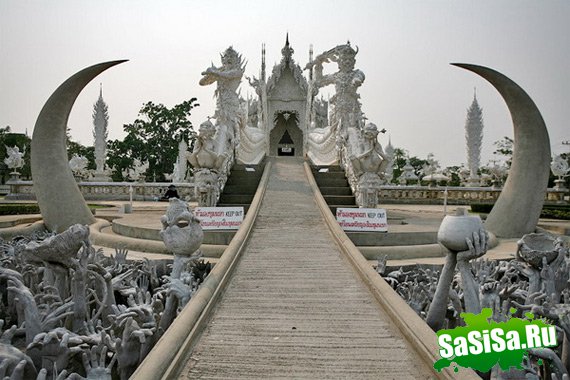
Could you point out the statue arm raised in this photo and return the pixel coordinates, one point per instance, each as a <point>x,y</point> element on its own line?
<point>324,80</point>
<point>221,73</point>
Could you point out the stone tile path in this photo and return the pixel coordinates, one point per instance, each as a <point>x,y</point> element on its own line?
<point>294,307</point>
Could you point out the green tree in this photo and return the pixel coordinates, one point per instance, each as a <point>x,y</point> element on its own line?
<point>504,149</point>
<point>399,163</point>
<point>400,157</point>
<point>153,137</point>
<point>74,147</point>
<point>453,173</point>
<point>418,165</point>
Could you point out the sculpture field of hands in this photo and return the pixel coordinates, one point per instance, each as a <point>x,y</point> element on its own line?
<point>72,313</point>
<point>535,281</point>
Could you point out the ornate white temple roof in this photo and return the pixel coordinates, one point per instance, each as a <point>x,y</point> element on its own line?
<point>287,62</point>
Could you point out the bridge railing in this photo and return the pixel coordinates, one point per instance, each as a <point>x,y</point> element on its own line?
<point>23,190</point>
<point>141,191</point>
<point>454,194</point>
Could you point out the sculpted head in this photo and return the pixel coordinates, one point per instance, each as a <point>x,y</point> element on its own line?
<point>231,58</point>
<point>206,130</point>
<point>346,57</point>
<point>370,131</point>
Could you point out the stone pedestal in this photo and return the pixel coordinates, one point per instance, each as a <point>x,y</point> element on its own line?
<point>473,182</point>
<point>14,177</point>
<point>560,185</point>
<point>100,177</point>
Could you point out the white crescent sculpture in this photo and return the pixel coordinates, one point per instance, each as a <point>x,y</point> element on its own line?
<point>518,208</point>
<point>58,195</point>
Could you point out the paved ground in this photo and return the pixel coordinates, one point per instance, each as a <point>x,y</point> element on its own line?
<point>295,308</point>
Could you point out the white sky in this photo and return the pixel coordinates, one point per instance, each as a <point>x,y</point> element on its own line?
<point>405,51</point>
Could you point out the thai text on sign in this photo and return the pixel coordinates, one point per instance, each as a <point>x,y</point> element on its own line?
<point>362,219</point>
<point>219,218</point>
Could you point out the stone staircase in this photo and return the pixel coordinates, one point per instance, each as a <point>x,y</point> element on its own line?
<point>334,187</point>
<point>241,186</point>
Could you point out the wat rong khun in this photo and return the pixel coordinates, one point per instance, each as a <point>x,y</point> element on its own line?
<point>287,254</point>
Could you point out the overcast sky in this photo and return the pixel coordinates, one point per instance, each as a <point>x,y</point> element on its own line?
<point>405,51</point>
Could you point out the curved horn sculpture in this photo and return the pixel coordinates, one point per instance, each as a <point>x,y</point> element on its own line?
<point>58,195</point>
<point>517,210</point>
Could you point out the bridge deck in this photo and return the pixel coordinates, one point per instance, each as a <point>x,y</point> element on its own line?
<point>294,307</point>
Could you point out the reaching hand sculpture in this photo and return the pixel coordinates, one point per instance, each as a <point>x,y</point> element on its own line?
<point>465,239</point>
<point>536,281</point>
<point>181,231</point>
<point>183,235</point>
<point>84,314</point>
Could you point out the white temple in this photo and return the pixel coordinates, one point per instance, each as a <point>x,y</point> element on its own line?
<point>288,119</point>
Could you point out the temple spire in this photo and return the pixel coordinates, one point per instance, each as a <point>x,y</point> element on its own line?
<point>474,136</point>
<point>287,50</point>
<point>100,132</point>
<point>263,62</point>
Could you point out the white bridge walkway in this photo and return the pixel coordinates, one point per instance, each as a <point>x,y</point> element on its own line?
<point>294,307</point>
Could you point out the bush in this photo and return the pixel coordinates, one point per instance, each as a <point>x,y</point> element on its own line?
<point>548,211</point>
<point>32,208</point>
<point>19,208</point>
<point>482,208</point>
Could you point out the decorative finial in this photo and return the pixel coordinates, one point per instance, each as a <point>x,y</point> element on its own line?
<point>287,50</point>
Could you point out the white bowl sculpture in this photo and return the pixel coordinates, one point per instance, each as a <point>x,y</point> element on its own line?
<point>454,229</point>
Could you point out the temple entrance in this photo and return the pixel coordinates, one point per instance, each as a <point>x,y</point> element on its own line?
<point>286,146</point>
<point>286,139</point>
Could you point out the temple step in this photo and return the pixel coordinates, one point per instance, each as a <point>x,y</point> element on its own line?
<point>348,200</point>
<point>332,182</point>
<point>344,190</point>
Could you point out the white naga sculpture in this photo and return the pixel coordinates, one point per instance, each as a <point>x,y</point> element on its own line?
<point>15,159</point>
<point>78,165</point>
